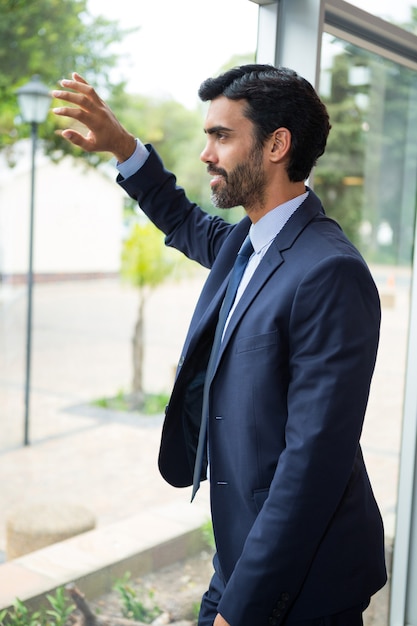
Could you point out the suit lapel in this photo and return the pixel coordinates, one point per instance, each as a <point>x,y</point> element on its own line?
<point>208,306</point>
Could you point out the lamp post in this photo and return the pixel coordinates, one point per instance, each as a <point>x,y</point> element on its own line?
<point>34,101</point>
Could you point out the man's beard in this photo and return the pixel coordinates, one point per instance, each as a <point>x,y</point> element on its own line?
<point>242,186</point>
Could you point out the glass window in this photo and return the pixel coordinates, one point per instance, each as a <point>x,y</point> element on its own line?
<point>367,181</point>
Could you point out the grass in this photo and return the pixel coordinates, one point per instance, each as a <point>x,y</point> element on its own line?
<point>153,404</point>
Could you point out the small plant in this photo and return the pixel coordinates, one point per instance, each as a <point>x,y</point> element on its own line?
<point>20,616</point>
<point>56,616</point>
<point>208,534</point>
<point>155,403</point>
<point>61,608</point>
<point>152,403</point>
<point>117,403</point>
<point>196,611</point>
<point>133,606</point>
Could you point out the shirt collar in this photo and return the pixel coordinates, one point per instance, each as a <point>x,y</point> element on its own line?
<point>263,232</point>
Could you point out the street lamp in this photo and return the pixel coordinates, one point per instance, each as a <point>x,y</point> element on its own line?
<point>34,102</point>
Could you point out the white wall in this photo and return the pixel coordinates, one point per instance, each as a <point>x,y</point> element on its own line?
<point>78,218</point>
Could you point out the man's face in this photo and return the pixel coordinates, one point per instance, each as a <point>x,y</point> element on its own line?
<point>232,157</point>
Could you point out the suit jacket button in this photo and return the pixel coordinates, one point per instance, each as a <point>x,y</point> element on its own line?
<point>181,361</point>
<point>285,596</point>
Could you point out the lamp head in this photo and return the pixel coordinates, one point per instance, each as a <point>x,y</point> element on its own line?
<point>34,101</point>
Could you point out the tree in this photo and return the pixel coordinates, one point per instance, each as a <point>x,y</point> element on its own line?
<point>339,175</point>
<point>146,263</point>
<point>50,38</point>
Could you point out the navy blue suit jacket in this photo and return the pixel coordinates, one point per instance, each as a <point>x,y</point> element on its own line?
<point>296,524</point>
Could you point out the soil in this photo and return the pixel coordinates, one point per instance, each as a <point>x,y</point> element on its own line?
<point>176,590</point>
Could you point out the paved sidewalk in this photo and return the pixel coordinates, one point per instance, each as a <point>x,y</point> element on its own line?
<point>108,466</point>
<point>104,460</point>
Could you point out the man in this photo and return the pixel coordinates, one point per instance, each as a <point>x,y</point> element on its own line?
<point>299,538</point>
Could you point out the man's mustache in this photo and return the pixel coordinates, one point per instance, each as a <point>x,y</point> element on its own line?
<point>216,170</point>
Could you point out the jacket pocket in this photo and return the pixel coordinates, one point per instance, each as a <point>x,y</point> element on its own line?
<point>257,342</point>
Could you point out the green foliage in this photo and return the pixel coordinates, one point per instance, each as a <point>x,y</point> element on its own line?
<point>51,38</point>
<point>133,606</point>
<point>174,131</point>
<point>20,616</point>
<point>196,610</point>
<point>360,178</point>
<point>61,608</point>
<point>58,615</point>
<point>153,404</point>
<point>208,534</point>
<point>146,261</point>
<point>344,156</point>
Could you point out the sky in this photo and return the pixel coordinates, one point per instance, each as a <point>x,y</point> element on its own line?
<point>180,42</point>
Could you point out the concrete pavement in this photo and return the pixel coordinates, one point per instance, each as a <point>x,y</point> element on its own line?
<point>104,460</point>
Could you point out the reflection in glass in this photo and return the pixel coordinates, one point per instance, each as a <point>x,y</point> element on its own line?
<point>367,176</point>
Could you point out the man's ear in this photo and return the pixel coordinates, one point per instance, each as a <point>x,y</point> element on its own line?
<point>280,144</point>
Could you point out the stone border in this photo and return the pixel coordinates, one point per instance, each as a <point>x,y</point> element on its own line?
<point>95,559</point>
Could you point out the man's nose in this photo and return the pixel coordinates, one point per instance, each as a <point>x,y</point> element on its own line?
<point>207,155</point>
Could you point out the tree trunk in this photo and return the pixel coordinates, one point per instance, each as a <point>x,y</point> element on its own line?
<point>138,354</point>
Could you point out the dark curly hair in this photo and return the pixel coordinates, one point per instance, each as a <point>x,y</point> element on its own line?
<point>277,97</point>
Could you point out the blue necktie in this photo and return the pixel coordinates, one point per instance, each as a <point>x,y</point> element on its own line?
<point>236,276</point>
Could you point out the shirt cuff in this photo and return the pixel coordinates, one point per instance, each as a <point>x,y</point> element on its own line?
<point>134,162</point>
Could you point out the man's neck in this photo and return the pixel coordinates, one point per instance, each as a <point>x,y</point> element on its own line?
<point>278,196</point>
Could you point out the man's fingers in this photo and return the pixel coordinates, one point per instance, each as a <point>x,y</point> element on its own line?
<point>77,139</point>
<point>86,101</point>
<point>77,82</point>
<point>82,93</point>
<point>105,133</point>
<point>77,77</point>
<point>67,112</point>
<point>75,113</point>
<point>72,136</point>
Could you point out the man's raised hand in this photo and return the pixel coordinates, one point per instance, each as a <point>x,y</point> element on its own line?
<point>105,133</point>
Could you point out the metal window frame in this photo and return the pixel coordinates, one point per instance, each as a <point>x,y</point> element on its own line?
<point>373,32</point>
<point>290,33</point>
